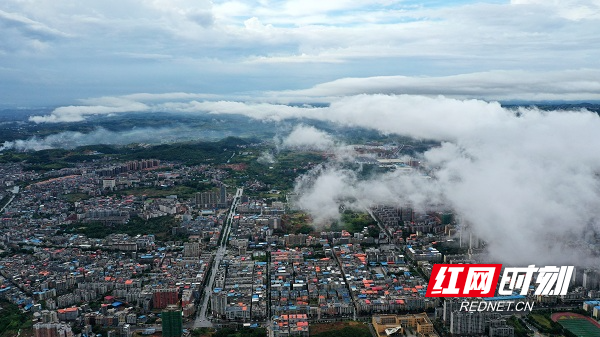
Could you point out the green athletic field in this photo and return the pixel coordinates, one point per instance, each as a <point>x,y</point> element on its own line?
<point>580,327</point>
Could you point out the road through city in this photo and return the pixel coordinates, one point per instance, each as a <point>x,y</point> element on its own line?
<point>202,319</point>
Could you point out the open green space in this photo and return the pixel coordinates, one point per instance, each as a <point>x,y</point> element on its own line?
<point>73,197</point>
<point>180,191</point>
<point>542,320</point>
<point>279,175</point>
<point>355,222</point>
<point>244,332</point>
<point>190,153</point>
<point>12,319</point>
<point>336,329</point>
<point>161,227</point>
<point>521,329</point>
<point>296,222</point>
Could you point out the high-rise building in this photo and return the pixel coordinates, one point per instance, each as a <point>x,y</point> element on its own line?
<point>212,199</point>
<point>165,297</point>
<point>49,316</point>
<point>395,325</point>
<point>52,330</point>
<point>218,302</point>
<point>471,323</point>
<point>109,183</point>
<point>295,239</point>
<point>577,277</point>
<point>407,214</point>
<point>191,249</point>
<point>591,279</point>
<point>450,305</point>
<point>172,321</point>
<point>223,194</point>
<point>499,328</point>
<point>446,218</point>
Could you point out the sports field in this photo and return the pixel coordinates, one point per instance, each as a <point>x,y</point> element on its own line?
<point>579,325</point>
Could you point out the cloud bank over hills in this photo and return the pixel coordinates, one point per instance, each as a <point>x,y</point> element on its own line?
<point>525,180</point>
<point>527,184</point>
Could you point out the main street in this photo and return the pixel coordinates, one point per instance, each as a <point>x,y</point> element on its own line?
<point>12,197</point>
<point>201,319</point>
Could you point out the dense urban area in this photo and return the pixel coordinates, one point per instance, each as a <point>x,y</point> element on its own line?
<point>300,168</point>
<point>153,247</point>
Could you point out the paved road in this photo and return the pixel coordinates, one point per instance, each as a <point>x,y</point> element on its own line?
<point>8,203</point>
<point>201,319</point>
<point>381,227</point>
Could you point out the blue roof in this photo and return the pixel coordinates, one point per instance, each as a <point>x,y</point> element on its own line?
<point>504,298</point>
<point>116,304</point>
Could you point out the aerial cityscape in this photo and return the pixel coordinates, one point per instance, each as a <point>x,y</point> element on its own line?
<point>287,168</point>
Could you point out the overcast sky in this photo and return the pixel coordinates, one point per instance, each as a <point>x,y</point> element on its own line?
<point>62,51</point>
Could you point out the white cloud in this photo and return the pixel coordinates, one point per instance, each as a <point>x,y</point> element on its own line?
<point>570,9</point>
<point>142,56</point>
<point>511,178</point>
<point>395,96</point>
<point>527,185</point>
<point>524,180</point>
<point>190,44</point>
<point>25,36</point>
<point>231,9</point>
<point>29,27</point>
<point>404,114</point>
<point>78,113</point>
<point>263,111</point>
<point>266,158</point>
<point>581,84</point>
<point>308,137</point>
<point>321,193</point>
<point>169,96</point>
<point>71,139</point>
<point>302,58</point>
